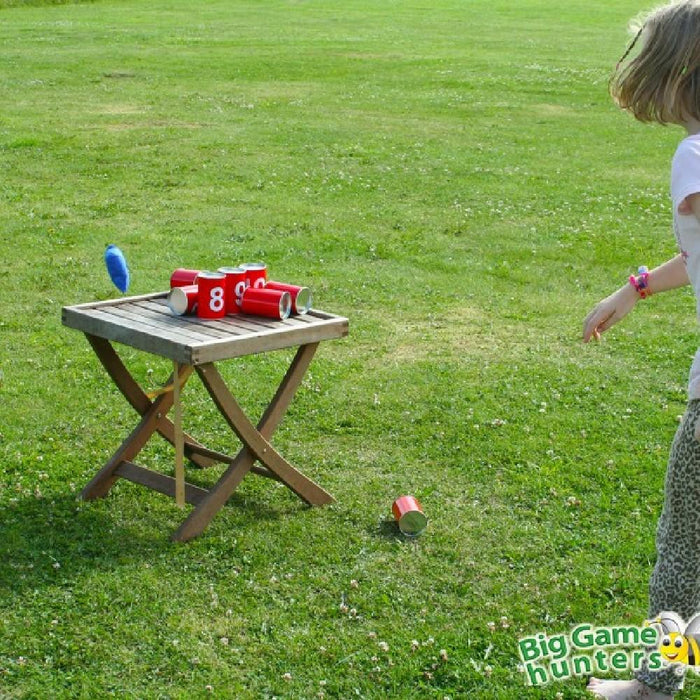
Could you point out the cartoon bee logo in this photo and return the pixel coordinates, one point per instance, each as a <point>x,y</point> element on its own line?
<point>680,643</point>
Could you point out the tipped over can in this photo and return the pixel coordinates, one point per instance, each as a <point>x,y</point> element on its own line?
<point>409,515</point>
<point>183,300</point>
<point>182,277</point>
<point>261,301</point>
<point>301,296</point>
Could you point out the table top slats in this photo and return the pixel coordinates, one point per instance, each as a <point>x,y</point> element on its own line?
<point>160,308</point>
<point>188,324</point>
<point>238,324</point>
<point>106,325</point>
<point>157,322</point>
<point>305,318</point>
<point>273,339</point>
<point>145,322</point>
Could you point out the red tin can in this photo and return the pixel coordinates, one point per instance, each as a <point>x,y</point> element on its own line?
<point>235,285</point>
<point>183,300</point>
<point>261,301</point>
<point>409,515</point>
<point>301,296</point>
<point>211,298</point>
<point>182,277</point>
<point>255,274</point>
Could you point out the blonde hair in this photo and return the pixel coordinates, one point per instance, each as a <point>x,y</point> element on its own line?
<point>662,83</point>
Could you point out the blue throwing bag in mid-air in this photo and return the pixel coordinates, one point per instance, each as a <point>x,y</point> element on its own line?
<point>117,267</point>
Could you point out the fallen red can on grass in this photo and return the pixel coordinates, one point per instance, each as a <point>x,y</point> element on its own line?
<point>409,515</point>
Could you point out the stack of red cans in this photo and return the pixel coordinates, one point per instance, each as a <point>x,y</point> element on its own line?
<point>234,290</point>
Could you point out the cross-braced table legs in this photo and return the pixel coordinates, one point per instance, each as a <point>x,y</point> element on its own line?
<point>256,445</point>
<point>138,399</point>
<point>103,481</point>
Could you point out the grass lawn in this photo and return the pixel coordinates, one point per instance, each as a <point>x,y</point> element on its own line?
<point>453,178</point>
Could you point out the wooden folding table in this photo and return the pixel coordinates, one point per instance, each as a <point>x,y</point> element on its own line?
<point>146,323</point>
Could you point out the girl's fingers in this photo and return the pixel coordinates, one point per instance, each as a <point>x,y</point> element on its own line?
<point>589,333</point>
<point>589,326</point>
<point>609,321</point>
<point>594,325</point>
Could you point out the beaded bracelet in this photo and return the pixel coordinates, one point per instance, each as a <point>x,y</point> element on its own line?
<point>641,282</point>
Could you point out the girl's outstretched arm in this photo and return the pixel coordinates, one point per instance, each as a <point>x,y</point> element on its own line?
<point>671,275</point>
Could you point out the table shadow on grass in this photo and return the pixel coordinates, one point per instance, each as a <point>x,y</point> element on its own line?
<point>45,541</point>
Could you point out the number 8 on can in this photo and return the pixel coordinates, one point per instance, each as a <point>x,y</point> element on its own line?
<point>211,302</point>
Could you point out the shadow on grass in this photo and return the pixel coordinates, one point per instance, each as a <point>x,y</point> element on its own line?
<point>47,540</point>
<point>387,530</point>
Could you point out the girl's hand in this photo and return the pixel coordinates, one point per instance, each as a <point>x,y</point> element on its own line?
<point>609,311</point>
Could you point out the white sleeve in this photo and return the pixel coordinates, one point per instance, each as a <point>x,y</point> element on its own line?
<point>685,171</point>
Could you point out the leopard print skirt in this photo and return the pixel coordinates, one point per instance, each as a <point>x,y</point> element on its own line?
<point>675,581</point>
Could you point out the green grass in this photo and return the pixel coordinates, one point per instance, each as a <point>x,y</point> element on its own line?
<point>453,178</point>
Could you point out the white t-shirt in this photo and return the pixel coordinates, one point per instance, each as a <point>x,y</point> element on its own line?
<point>685,180</point>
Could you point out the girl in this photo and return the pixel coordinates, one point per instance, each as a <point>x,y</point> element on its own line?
<point>662,84</point>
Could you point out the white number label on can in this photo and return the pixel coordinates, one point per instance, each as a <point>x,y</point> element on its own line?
<point>240,288</point>
<point>216,299</point>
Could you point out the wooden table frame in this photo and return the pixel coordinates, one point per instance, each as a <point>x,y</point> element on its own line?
<point>255,440</point>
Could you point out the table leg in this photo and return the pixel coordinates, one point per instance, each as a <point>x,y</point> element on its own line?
<point>202,514</point>
<point>253,439</point>
<point>103,481</point>
<point>179,439</point>
<point>137,398</point>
